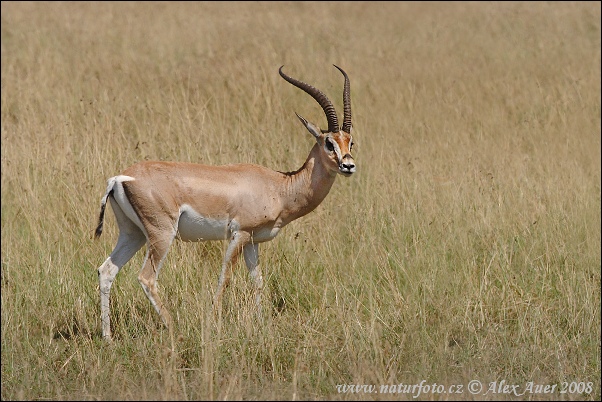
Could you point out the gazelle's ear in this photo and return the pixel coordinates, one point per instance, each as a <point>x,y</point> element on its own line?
<point>312,128</point>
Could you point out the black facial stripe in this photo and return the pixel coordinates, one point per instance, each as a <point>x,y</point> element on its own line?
<point>336,157</point>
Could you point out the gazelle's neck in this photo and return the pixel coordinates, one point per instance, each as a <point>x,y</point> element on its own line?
<point>306,188</point>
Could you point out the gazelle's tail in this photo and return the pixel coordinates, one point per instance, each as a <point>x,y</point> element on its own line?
<point>103,205</point>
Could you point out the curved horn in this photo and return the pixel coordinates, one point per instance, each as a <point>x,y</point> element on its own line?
<point>346,103</point>
<point>331,114</point>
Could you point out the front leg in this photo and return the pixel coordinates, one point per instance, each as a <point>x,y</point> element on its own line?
<point>251,254</point>
<point>238,240</point>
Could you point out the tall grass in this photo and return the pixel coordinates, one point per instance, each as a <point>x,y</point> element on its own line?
<point>466,247</point>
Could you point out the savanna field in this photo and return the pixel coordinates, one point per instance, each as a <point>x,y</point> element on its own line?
<point>464,250</point>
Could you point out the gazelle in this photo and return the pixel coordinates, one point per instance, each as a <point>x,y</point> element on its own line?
<point>156,202</point>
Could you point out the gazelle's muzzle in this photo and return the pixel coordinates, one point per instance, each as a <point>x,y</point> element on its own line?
<point>347,165</point>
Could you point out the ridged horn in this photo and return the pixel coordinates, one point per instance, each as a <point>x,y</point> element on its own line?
<point>346,103</point>
<point>331,114</point>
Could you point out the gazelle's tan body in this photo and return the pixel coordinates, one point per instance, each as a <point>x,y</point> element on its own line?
<point>156,202</point>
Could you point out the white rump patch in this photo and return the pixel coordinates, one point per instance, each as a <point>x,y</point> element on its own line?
<point>123,177</point>
<point>122,201</point>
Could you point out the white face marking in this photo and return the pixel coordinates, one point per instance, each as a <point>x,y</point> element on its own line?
<point>193,226</point>
<point>337,149</point>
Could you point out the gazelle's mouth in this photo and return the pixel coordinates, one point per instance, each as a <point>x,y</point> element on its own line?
<point>347,170</point>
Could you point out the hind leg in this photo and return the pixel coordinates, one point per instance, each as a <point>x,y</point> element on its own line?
<point>148,277</point>
<point>131,238</point>
<point>128,243</point>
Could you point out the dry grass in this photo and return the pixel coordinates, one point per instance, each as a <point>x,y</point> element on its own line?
<point>466,247</point>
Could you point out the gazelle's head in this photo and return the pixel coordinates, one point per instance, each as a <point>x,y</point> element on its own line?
<point>336,142</point>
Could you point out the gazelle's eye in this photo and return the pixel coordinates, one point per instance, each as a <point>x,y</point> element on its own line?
<point>329,146</point>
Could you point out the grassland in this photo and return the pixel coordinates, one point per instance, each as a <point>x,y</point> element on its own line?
<point>466,247</point>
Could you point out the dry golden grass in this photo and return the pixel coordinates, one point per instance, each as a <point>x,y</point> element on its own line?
<point>466,247</point>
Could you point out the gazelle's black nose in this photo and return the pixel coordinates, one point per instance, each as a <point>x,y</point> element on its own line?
<point>347,165</point>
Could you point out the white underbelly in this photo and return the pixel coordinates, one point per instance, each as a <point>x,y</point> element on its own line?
<point>266,234</point>
<point>193,226</point>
